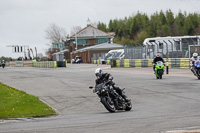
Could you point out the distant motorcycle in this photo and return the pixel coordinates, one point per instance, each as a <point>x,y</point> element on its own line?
<point>111,100</point>
<point>77,60</point>
<point>3,65</point>
<point>197,68</point>
<point>159,69</point>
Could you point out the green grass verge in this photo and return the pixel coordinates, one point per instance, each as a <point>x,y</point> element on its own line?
<point>18,104</point>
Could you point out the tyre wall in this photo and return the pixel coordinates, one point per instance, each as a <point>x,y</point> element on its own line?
<point>41,64</point>
<point>138,63</point>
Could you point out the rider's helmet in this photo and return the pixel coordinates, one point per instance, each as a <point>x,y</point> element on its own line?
<point>98,73</point>
<point>195,55</point>
<point>157,55</point>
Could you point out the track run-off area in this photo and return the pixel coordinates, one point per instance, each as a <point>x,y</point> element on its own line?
<point>167,105</point>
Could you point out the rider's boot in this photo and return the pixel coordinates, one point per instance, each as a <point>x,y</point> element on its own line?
<point>193,71</point>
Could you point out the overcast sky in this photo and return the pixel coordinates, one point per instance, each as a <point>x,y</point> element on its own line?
<point>23,22</point>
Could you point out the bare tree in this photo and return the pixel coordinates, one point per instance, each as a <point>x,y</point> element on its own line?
<point>94,24</point>
<point>75,29</point>
<point>55,33</point>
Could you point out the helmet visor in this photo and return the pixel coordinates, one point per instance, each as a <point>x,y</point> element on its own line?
<point>97,74</point>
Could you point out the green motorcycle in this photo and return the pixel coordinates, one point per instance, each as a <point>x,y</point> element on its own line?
<point>159,69</point>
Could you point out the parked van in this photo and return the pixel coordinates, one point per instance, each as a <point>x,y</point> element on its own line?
<point>114,55</point>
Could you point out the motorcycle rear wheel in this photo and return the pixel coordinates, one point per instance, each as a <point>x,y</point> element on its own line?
<point>110,107</point>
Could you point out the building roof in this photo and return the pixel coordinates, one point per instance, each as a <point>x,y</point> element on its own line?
<point>170,38</point>
<point>91,31</point>
<point>103,46</point>
<point>61,52</point>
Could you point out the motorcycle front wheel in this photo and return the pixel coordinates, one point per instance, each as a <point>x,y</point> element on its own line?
<point>108,105</point>
<point>198,74</point>
<point>160,73</point>
<point>128,106</point>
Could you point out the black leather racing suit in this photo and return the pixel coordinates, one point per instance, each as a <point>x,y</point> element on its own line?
<point>156,59</point>
<point>3,63</point>
<point>105,78</point>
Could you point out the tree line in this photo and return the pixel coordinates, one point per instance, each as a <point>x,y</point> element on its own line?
<point>134,29</point>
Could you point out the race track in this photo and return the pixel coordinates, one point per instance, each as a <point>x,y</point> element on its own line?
<point>159,106</point>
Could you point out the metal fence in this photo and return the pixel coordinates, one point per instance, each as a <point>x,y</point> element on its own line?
<point>134,51</point>
<point>167,47</point>
<point>97,57</point>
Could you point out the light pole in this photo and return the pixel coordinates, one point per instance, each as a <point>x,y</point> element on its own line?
<point>76,41</point>
<point>172,48</point>
<point>148,50</point>
<point>152,46</point>
<point>167,69</point>
<point>36,53</point>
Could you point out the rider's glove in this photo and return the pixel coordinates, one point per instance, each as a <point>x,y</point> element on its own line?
<point>110,78</point>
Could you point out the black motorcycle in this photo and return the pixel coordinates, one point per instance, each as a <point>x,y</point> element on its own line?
<point>111,100</point>
<point>3,65</point>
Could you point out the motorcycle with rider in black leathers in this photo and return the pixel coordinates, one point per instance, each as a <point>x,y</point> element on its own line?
<point>112,97</point>
<point>3,63</point>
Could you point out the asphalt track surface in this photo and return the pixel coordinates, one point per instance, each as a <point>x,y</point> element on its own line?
<point>159,106</point>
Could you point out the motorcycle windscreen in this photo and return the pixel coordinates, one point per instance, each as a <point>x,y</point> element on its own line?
<point>159,63</point>
<point>197,64</point>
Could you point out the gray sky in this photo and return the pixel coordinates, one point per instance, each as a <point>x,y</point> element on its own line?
<point>23,22</point>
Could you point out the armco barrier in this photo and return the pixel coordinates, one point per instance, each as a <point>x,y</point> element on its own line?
<point>172,63</point>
